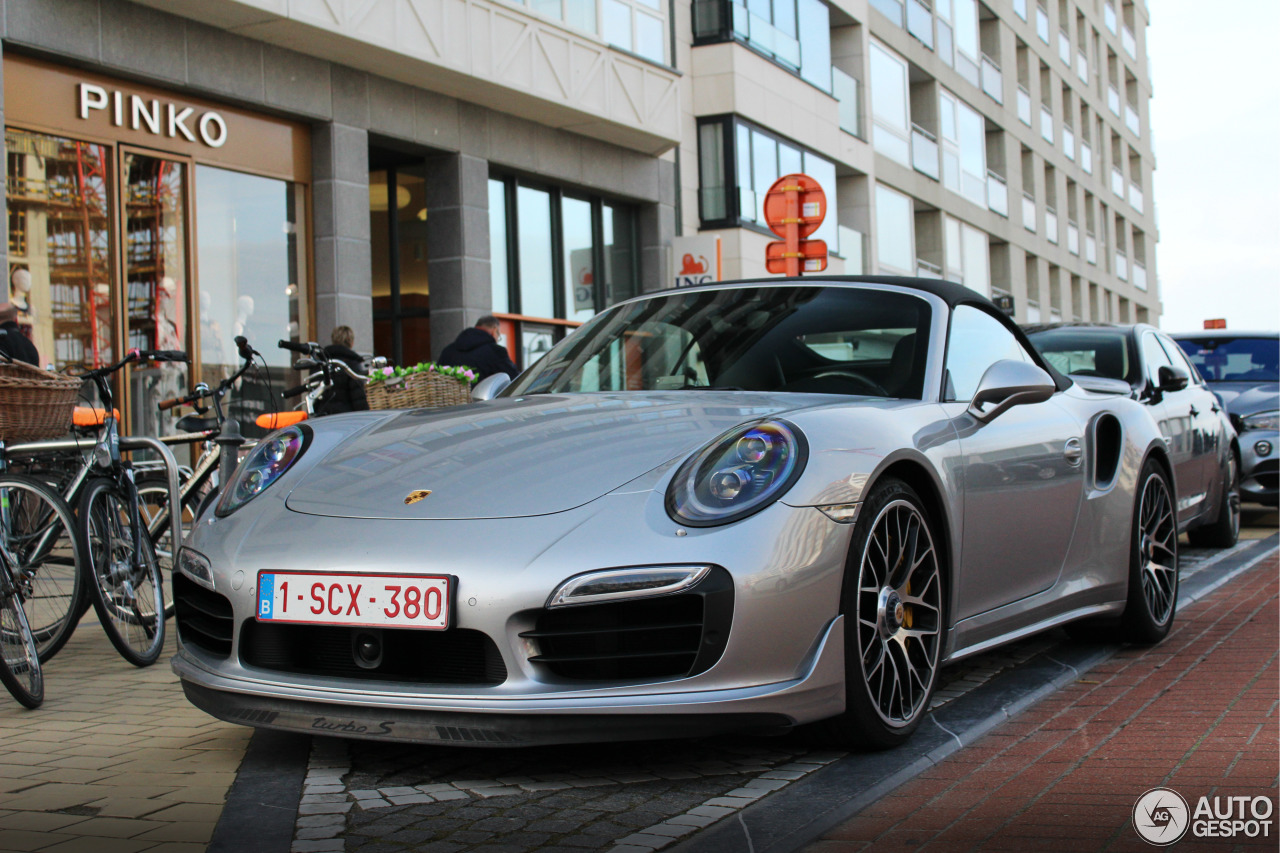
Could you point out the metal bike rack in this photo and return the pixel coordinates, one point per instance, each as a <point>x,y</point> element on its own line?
<point>132,442</point>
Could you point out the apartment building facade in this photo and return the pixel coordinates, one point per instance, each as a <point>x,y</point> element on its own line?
<point>182,171</point>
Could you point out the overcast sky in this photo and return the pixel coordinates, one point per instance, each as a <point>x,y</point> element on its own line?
<point>1215,115</point>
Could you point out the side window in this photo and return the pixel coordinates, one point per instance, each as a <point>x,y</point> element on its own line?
<point>1180,360</point>
<point>1153,358</point>
<point>978,341</point>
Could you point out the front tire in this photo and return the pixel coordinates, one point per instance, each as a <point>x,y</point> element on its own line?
<point>1153,560</point>
<point>129,598</point>
<point>892,603</point>
<point>19,660</point>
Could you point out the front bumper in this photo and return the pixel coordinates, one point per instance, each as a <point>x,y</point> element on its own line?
<point>523,720</point>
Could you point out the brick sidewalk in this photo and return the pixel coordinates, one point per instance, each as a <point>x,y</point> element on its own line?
<point>115,761</point>
<point>1197,714</point>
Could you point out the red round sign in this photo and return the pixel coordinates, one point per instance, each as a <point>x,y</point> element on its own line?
<point>795,199</point>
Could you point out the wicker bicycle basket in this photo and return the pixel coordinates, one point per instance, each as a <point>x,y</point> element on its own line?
<point>418,391</point>
<point>34,403</point>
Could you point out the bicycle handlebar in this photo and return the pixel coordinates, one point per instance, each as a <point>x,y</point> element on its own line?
<point>296,390</point>
<point>305,349</point>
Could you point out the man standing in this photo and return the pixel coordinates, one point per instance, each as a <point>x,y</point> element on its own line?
<point>13,343</point>
<point>478,348</point>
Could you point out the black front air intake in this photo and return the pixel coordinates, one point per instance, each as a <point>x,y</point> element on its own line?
<point>671,636</point>
<point>405,654</point>
<point>203,616</point>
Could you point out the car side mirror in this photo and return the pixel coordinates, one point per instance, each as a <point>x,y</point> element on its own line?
<point>1171,378</point>
<point>490,387</point>
<point>1009,383</point>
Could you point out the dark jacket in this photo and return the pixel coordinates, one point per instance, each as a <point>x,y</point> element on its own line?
<point>347,394</point>
<point>17,346</point>
<point>476,348</point>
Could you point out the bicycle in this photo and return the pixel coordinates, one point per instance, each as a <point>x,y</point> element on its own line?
<point>323,371</point>
<point>124,573</point>
<point>19,659</point>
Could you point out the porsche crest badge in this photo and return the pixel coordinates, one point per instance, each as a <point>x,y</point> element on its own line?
<point>415,496</point>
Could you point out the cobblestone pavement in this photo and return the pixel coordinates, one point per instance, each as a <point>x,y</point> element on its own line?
<point>115,761</point>
<point>1196,714</point>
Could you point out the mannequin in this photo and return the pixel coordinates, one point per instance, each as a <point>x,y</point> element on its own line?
<point>20,296</point>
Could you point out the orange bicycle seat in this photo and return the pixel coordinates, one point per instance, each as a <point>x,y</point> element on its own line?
<point>84,416</point>
<point>275,420</point>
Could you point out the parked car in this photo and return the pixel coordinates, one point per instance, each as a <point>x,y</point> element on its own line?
<point>1144,363</point>
<point>1241,368</point>
<point>739,507</point>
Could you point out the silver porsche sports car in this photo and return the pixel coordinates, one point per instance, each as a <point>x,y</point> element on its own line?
<point>743,507</point>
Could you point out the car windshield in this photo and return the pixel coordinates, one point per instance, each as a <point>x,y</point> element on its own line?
<point>835,340</point>
<point>1240,359</point>
<point>1088,352</point>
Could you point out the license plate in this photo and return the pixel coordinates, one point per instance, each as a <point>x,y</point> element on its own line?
<point>377,601</point>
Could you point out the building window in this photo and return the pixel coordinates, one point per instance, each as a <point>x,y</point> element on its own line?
<point>739,162</point>
<point>890,110</point>
<point>967,255</point>
<point>794,33</point>
<point>964,148</point>
<point>895,244</point>
<point>557,257</point>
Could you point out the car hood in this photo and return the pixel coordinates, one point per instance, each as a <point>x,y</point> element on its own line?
<point>1247,398</point>
<point>517,457</point>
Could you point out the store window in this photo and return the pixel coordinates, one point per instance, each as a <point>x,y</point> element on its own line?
<point>739,161</point>
<point>796,34</point>
<point>557,257</point>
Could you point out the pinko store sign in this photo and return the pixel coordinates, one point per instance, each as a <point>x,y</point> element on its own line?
<point>151,115</point>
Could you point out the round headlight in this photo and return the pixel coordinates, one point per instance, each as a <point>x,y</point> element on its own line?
<point>737,474</point>
<point>262,467</point>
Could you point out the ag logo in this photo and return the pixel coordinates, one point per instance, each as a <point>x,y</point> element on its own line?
<point>1161,816</point>
<point>415,496</point>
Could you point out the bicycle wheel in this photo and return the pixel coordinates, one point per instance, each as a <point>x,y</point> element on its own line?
<point>126,587</point>
<point>41,536</point>
<point>19,661</point>
<point>153,497</point>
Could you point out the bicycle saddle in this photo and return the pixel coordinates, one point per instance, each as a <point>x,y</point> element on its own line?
<point>195,423</point>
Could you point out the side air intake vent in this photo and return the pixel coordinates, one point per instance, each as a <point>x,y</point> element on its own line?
<point>1108,444</point>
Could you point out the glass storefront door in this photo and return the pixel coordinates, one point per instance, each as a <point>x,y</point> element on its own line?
<point>156,275</point>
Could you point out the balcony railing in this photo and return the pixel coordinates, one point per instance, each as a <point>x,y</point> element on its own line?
<point>924,269</point>
<point>1086,157</point>
<point>1020,8</point>
<point>891,9</point>
<point>1135,197</point>
<point>1064,47</point>
<point>764,35</point>
<point>1139,276</point>
<point>1082,67</point>
<point>997,194</point>
<point>1073,238</point>
<point>1024,106</point>
<point>992,79</point>
<point>1029,212</point>
<point>1068,142</point>
<point>1042,24</point>
<point>1051,224</point>
<point>1129,42</point>
<point>920,22</point>
<point>1117,181</point>
<point>1046,124</point>
<point>924,152</point>
<point>1109,17</point>
<point>1113,99</point>
<point>1090,248</point>
<point>1131,120</point>
<point>1122,267</point>
<point>846,90</point>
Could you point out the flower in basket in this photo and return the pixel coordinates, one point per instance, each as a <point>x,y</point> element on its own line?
<point>398,374</point>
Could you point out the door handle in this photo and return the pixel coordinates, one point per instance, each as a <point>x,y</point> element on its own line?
<point>1072,451</point>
